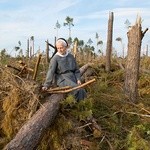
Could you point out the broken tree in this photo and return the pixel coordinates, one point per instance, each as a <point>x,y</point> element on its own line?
<point>135,36</point>
<point>109,41</point>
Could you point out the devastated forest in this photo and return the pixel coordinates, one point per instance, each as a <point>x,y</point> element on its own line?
<point>115,115</point>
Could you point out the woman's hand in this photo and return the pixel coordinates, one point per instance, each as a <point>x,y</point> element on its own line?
<point>44,88</point>
<point>79,82</point>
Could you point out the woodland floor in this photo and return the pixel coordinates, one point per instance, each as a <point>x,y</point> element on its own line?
<point>123,124</point>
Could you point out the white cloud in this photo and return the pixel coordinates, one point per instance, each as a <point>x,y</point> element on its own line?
<point>39,20</point>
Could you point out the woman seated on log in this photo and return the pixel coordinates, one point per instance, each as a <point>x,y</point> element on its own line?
<point>64,68</point>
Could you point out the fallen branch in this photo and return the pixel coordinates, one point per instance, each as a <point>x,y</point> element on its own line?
<point>72,89</point>
<point>23,66</point>
<point>111,147</point>
<point>146,110</point>
<point>20,69</point>
<point>84,125</point>
<point>26,68</point>
<point>9,66</point>
<point>142,115</point>
<point>59,88</point>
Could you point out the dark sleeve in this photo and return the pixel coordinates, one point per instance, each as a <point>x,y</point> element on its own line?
<point>51,72</point>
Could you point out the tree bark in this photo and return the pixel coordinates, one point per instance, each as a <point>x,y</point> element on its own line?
<point>32,131</point>
<point>36,66</point>
<point>47,52</point>
<point>27,52</point>
<point>135,36</point>
<point>30,134</point>
<point>84,68</point>
<point>75,49</point>
<point>109,41</point>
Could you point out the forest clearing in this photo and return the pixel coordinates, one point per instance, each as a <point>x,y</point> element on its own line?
<point>114,116</point>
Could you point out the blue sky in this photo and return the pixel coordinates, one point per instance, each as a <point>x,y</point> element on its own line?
<point>21,19</point>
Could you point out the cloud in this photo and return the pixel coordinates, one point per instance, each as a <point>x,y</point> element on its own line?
<point>30,18</point>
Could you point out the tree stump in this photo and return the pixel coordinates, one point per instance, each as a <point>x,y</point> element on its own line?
<point>135,36</point>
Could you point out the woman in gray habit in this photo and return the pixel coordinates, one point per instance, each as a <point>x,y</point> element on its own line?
<point>64,68</point>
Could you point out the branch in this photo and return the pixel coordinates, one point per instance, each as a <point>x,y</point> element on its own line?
<point>142,115</point>
<point>84,125</point>
<point>13,67</point>
<point>59,88</point>
<point>51,45</point>
<point>72,89</point>
<point>143,33</point>
<point>36,67</point>
<point>23,66</point>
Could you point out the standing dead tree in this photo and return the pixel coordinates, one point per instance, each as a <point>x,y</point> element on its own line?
<point>75,49</point>
<point>36,66</point>
<point>109,41</point>
<point>47,52</point>
<point>27,52</point>
<point>135,36</point>
<point>32,131</point>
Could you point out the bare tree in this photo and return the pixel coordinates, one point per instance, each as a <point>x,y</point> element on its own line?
<point>32,45</point>
<point>127,24</point>
<point>19,49</point>
<point>101,49</point>
<point>146,50</point>
<point>69,22</point>
<point>47,52</point>
<point>27,52</point>
<point>109,41</point>
<point>119,39</point>
<point>97,38</point>
<point>57,27</point>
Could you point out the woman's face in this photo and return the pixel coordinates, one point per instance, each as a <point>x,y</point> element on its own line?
<point>61,48</point>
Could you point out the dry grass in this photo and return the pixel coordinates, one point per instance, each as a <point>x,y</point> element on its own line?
<point>19,100</point>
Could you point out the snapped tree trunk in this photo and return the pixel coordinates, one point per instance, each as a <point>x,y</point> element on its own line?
<point>135,36</point>
<point>146,50</point>
<point>47,52</point>
<point>36,66</point>
<point>75,49</point>
<point>109,41</point>
<point>32,131</point>
<point>27,52</point>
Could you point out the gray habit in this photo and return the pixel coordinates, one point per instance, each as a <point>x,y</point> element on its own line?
<point>66,73</point>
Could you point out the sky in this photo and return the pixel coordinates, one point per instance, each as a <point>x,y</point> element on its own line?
<point>21,19</point>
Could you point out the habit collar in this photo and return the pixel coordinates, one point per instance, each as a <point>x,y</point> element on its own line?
<point>61,54</point>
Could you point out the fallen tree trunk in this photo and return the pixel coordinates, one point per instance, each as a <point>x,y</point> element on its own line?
<point>30,134</point>
<point>84,68</point>
<point>32,131</point>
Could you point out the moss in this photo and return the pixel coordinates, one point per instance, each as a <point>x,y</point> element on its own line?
<point>14,117</point>
<point>106,102</point>
<point>135,138</point>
